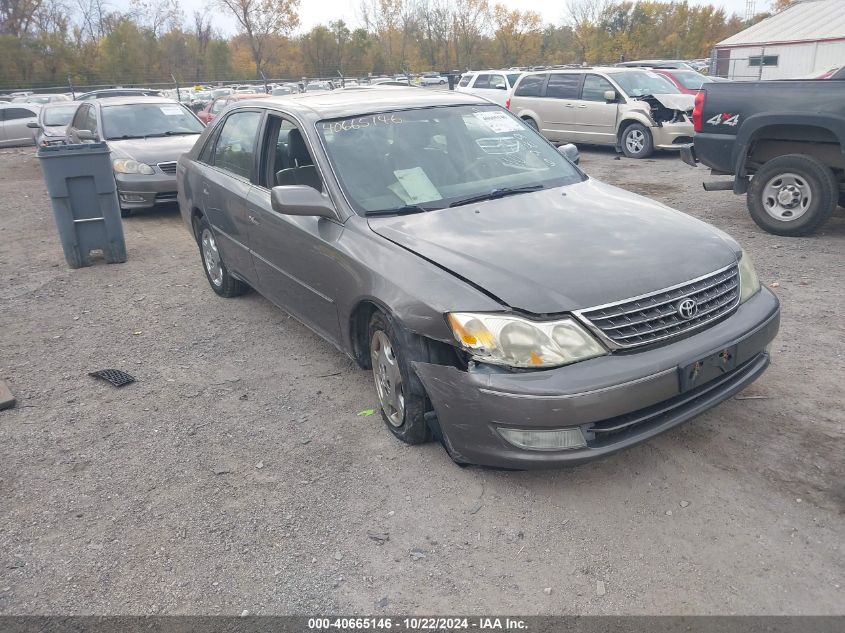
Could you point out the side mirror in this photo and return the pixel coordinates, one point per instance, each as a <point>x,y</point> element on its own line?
<point>300,200</point>
<point>33,125</point>
<point>570,152</point>
<point>610,96</point>
<point>86,135</point>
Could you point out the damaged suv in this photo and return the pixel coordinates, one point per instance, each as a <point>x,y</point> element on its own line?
<point>509,306</point>
<point>634,109</point>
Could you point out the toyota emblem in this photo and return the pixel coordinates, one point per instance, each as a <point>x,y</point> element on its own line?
<point>687,308</point>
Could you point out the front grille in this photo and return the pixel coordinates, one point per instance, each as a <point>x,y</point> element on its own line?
<point>168,168</point>
<point>654,317</point>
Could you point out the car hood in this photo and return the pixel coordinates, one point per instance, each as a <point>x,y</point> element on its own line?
<point>153,150</point>
<point>566,248</point>
<point>682,102</point>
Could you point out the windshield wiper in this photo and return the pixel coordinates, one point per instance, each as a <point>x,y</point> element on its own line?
<point>160,134</point>
<point>405,210</point>
<point>496,193</point>
<point>124,137</point>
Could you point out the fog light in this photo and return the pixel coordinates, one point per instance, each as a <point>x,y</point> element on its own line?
<point>554,440</point>
<point>131,197</point>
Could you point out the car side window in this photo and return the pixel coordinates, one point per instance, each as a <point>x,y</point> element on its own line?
<point>564,86</point>
<point>513,78</point>
<point>19,113</point>
<point>498,82</point>
<point>595,87</point>
<point>207,154</point>
<point>286,156</point>
<point>79,118</point>
<point>482,81</point>
<point>235,147</point>
<point>530,86</point>
<point>464,82</point>
<point>91,120</point>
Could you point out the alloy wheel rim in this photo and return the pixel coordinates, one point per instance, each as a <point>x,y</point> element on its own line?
<point>635,141</point>
<point>787,197</point>
<point>211,258</point>
<point>388,378</point>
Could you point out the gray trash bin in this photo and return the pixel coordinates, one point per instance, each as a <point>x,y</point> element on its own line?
<point>81,185</point>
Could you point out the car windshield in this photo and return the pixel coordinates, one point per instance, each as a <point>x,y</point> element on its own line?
<point>60,115</point>
<point>138,120</point>
<point>438,157</point>
<point>691,80</point>
<point>638,83</point>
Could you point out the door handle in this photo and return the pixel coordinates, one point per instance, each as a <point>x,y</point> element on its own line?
<point>569,105</point>
<point>582,106</point>
<point>205,191</point>
<point>254,220</point>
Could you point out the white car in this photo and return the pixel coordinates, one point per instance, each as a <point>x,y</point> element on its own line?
<point>495,85</point>
<point>432,79</point>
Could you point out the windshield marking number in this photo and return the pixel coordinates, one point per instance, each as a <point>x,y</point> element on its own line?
<point>361,122</point>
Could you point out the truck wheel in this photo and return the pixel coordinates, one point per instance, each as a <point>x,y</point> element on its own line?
<point>792,195</point>
<point>637,141</point>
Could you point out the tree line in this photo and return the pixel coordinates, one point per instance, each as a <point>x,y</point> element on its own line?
<point>45,42</point>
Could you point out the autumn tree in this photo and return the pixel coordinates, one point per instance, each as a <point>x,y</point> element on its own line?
<point>517,33</point>
<point>260,21</point>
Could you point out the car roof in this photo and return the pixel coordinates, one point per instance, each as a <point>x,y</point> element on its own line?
<point>586,69</point>
<point>340,103</point>
<point>131,100</point>
<point>244,95</point>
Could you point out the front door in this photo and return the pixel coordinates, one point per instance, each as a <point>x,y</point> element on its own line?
<point>226,186</point>
<point>295,256</point>
<point>596,117</point>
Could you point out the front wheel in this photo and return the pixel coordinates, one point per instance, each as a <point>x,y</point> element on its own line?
<point>792,195</point>
<point>401,396</point>
<point>531,123</point>
<point>637,141</point>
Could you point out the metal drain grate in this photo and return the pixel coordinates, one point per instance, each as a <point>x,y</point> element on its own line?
<point>114,376</point>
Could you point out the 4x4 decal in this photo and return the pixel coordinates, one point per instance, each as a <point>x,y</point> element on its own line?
<point>725,118</point>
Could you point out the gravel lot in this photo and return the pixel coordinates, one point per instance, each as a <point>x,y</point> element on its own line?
<point>235,474</point>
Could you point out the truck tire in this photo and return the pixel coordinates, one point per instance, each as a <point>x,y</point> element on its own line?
<point>637,142</point>
<point>792,195</point>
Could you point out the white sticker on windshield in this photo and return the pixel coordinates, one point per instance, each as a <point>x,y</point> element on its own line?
<point>498,121</point>
<point>416,185</point>
<point>171,110</point>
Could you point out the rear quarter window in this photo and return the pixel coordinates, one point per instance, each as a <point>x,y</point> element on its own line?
<point>464,82</point>
<point>530,86</point>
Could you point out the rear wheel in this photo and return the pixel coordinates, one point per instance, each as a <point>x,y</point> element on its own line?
<point>792,195</point>
<point>401,396</point>
<point>637,141</point>
<point>531,123</point>
<point>219,278</point>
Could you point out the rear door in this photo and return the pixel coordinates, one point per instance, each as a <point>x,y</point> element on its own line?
<point>595,116</point>
<point>15,130</point>
<point>296,257</point>
<point>559,106</point>
<point>225,187</point>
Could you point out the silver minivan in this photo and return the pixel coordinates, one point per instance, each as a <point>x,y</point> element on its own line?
<point>633,109</point>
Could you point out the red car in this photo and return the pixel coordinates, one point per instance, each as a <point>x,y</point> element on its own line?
<point>216,106</point>
<point>687,81</point>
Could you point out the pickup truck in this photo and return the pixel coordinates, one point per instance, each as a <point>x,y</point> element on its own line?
<point>782,141</point>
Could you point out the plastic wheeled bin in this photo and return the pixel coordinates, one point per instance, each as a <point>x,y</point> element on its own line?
<point>81,185</point>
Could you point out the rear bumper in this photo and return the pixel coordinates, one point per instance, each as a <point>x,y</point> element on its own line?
<point>136,191</point>
<point>616,401</point>
<point>688,155</point>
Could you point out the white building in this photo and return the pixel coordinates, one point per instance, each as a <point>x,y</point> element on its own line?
<point>804,40</point>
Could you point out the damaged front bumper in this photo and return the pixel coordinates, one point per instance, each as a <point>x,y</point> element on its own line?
<point>672,135</point>
<point>615,401</point>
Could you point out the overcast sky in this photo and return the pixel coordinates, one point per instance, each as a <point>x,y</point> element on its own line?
<point>313,12</point>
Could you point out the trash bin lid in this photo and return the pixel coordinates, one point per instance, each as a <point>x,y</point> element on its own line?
<point>52,151</point>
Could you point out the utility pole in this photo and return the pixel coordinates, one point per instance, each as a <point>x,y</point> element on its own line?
<point>176,83</point>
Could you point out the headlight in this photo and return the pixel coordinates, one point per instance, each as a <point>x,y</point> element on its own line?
<point>503,339</point>
<point>749,284</point>
<point>129,166</point>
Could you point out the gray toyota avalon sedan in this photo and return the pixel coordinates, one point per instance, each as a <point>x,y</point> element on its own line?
<point>509,306</point>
